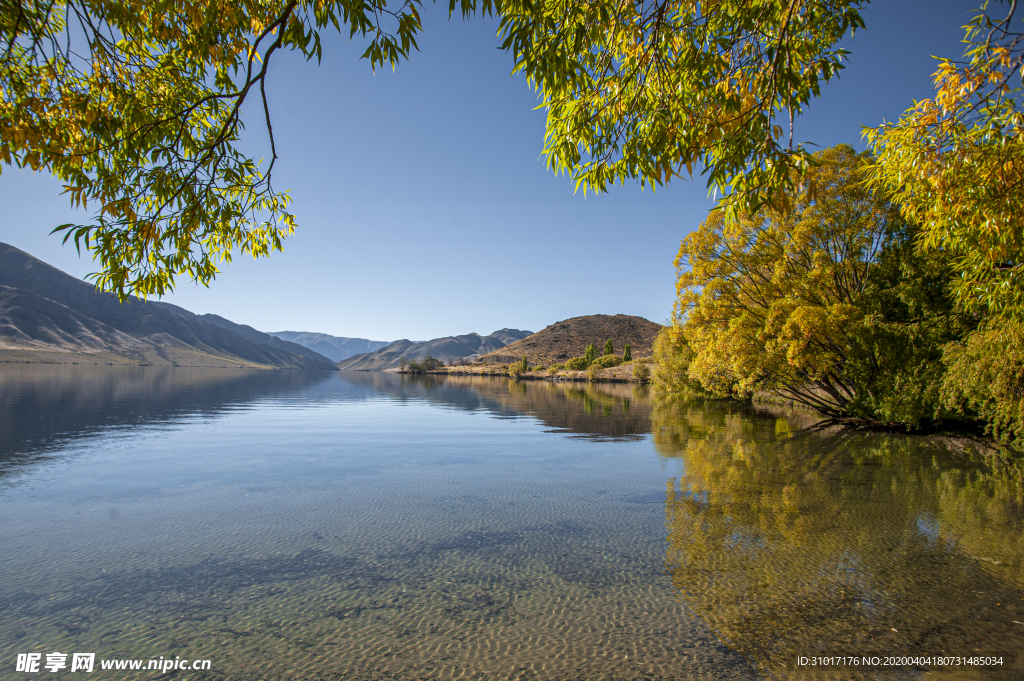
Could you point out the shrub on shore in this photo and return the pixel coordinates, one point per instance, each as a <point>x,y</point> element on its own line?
<point>578,363</point>
<point>642,371</point>
<point>607,361</point>
<point>428,363</point>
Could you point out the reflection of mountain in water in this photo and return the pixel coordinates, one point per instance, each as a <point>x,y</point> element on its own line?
<point>840,543</point>
<point>43,405</point>
<point>608,410</point>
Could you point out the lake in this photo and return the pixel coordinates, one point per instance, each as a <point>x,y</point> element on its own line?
<point>291,525</point>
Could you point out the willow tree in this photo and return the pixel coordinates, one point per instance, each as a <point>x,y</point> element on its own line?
<point>650,89</point>
<point>137,105</point>
<point>955,164</point>
<point>827,303</point>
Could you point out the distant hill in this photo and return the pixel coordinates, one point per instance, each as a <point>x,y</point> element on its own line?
<point>448,348</point>
<point>265,338</point>
<point>46,315</point>
<point>570,337</point>
<point>336,348</point>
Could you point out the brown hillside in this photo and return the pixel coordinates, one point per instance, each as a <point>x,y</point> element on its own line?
<point>570,337</point>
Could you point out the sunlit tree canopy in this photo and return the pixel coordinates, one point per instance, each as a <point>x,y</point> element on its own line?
<point>955,163</point>
<point>651,90</point>
<point>827,303</point>
<point>136,106</point>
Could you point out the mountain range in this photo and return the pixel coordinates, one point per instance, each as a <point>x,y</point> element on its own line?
<point>449,348</point>
<point>336,348</point>
<point>48,316</point>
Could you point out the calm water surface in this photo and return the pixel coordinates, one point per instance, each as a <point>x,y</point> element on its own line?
<point>289,525</point>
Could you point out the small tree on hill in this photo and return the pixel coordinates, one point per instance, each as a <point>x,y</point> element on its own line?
<point>608,349</point>
<point>627,353</point>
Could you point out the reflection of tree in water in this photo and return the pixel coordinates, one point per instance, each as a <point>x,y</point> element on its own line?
<point>615,410</point>
<point>792,542</point>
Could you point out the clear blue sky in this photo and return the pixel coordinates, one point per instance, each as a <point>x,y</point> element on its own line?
<point>424,205</point>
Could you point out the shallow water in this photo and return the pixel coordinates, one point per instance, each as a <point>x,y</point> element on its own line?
<point>289,525</point>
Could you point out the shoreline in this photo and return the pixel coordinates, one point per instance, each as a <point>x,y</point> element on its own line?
<point>965,432</point>
<point>622,373</point>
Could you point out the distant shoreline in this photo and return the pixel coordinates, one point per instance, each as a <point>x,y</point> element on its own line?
<point>618,374</point>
